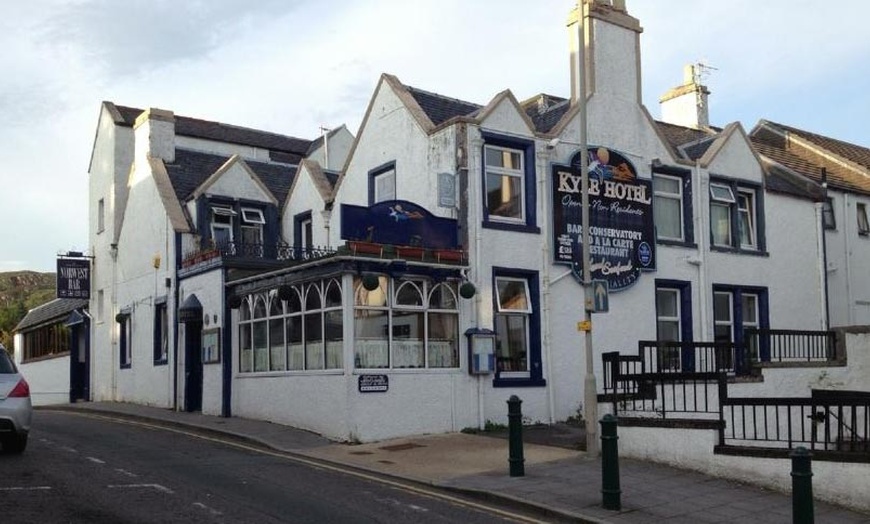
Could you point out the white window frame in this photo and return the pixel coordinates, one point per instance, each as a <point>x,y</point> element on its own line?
<point>252,220</point>
<point>526,313</point>
<point>225,223</point>
<point>721,193</point>
<point>519,173</point>
<point>425,289</point>
<point>678,319</point>
<point>678,197</point>
<point>730,309</point>
<point>385,178</point>
<point>306,231</point>
<point>749,211</point>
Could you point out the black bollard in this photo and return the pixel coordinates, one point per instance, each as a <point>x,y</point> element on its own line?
<point>802,486</point>
<point>515,437</point>
<point>610,491</point>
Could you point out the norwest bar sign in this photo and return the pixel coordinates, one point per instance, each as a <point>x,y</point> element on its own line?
<point>73,278</point>
<point>622,230</point>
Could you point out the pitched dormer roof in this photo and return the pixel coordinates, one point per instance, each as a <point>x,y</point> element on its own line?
<point>192,168</point>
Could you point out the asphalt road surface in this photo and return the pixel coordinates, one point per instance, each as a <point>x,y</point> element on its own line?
<point>86,469</point>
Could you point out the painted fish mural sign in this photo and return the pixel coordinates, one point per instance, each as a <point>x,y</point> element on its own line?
<point>622,230</point>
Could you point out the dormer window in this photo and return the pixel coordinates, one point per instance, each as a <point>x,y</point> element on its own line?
<point>222,225</point>
<point>252,226</point>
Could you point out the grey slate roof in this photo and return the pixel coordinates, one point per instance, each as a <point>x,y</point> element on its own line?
<point>546,111</point>
<point>194,127</point>
<point>192,168</point>
<point>55,311</point>
<point>440,108</point>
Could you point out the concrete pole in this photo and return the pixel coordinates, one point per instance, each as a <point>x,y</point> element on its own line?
<point>590,387</point>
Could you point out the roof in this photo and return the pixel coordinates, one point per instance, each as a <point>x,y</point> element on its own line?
<point>677,135</point>
<point>191,168</point>
<point>55,311</point>
<point>440,108</point>
<point>805,153</point>
<point>546,111</point>
<point>196,128</point>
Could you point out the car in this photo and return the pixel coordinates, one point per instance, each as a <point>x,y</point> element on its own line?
<point>16,409</point>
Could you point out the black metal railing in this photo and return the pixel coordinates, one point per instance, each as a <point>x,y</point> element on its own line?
<point>786,345</point>
<point>840,425</point>
<point>691,357</point>
<point>246,250</point>
<point>664,392</point>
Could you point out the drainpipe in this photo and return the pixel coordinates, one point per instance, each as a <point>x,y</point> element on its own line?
<point>543,171</point>
<point>824,238</point>
<point>820,259</point>
<point>476,145</point>
<point>703,234</point>
<point>848,258</point>
<point>113,253</point>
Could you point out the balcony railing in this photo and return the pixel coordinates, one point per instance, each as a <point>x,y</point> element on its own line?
<point>251,251</point>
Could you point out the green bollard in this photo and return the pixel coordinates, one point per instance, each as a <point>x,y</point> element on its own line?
<point>610,491</point>
<point>515,437</point>
<point>801,486</point>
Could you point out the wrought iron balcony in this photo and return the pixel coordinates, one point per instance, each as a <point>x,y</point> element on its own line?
<point>242,251</point>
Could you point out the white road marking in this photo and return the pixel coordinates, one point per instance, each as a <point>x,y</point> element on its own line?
<point>158,487</point>
<point>67,448</point>
<point>210,510</point>
<point>321,466</point>
<point>26,488</point>
<point>95,460</point>
<point>125,472</point>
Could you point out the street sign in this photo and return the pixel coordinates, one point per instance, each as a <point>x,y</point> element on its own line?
<point>600,297</point>
<point>597,297</point>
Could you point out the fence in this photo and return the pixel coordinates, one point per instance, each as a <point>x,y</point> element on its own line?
<point>785,345</point>
<point>833,427</point>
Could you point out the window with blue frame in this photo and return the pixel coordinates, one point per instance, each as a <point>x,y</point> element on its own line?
<point>736,216</point>
<point>737,308</point>
<point>382,183</point>
<point>303,233</point>
<point>161,331</point>
<point>508,180</point>
<point>517,326</point>
<point>673,319</point>
<point>243,228</point>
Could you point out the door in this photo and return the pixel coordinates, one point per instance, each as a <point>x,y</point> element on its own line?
<point>193,366</point>
<point>79,362</point>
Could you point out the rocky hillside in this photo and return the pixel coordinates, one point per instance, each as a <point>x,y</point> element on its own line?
<point>21,291</point>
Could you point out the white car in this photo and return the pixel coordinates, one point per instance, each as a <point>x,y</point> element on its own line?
<point>15,407</point>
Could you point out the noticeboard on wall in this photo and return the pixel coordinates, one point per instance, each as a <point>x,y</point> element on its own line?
<point>211,346</point>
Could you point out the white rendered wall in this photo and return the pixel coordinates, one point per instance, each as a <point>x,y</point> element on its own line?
<point>306,197</point>
<point>48,379</point>
<point>840,483</point>
<point>209,290</point>
<point>338,147</point>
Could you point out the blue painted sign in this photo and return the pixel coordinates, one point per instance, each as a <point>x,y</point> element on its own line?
<point>73,278</point>
<point>399,223</point>
<point>622,229</point>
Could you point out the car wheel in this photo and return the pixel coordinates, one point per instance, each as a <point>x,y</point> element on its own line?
<point>15,444</point>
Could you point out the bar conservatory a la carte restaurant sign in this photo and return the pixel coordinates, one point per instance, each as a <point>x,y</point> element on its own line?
<point>622,230</point>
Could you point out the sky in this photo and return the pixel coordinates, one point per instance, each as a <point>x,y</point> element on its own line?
<point>292,66</point>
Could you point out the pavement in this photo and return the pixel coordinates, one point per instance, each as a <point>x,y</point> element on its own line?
<point>560,483</point>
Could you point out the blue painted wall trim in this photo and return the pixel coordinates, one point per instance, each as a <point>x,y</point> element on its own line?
<point>530,185</point>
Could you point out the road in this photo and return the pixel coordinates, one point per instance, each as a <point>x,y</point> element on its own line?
<point>86,469</point>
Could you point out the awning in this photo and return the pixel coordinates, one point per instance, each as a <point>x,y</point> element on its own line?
<point>190,310</point>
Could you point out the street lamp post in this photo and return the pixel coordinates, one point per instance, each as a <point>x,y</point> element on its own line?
<point>590,387</point>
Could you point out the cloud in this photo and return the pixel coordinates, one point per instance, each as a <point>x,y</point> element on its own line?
<point>134,35</point>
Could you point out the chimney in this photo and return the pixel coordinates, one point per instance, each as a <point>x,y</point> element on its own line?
<point>611,47</point>
<point>686,105</point>
<point>154,133</point>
